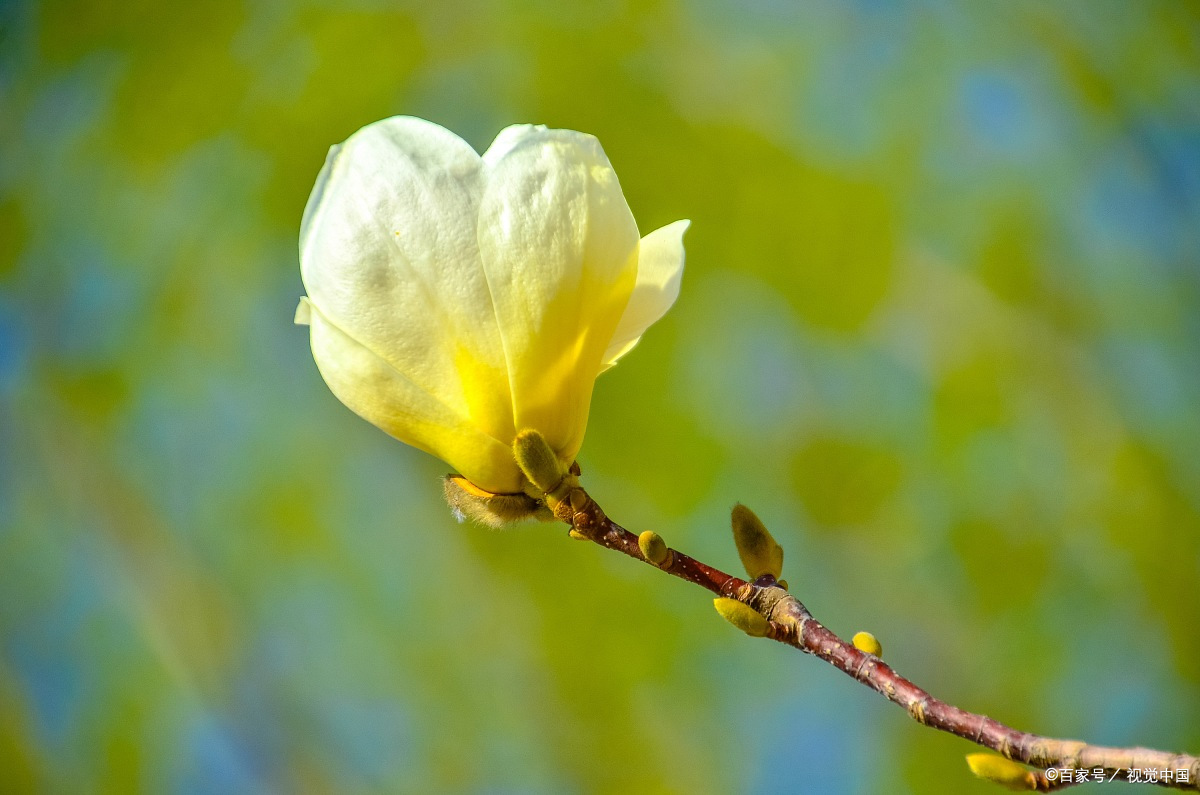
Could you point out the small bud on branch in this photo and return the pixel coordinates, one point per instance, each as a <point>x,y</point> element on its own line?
<point>867,643</point>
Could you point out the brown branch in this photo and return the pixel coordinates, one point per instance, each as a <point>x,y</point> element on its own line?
<point>790,622</point>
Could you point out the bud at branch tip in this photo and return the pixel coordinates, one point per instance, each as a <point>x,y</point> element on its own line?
<point>757,548</point>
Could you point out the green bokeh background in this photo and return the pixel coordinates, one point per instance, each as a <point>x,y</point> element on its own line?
<point>940,327</point>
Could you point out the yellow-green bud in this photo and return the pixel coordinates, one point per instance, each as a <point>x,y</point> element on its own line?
<point>654,549</point>
<point>1004,772</point>
<point>537,460</point>
<point>742,616</point>
<point>468,501</point>
<point>865,641</point>
<point>782,584</point>
<point>757,548</point>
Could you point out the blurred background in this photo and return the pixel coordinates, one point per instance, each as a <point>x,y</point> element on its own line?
<point>940,327</point>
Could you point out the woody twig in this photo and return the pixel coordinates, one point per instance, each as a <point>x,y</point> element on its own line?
<point>762,607</point>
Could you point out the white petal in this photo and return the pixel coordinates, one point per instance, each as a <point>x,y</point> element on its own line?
<point>303,316</point>
<point>377,392</point>
<point>388,253</point>
<point>559,245</point>
<point>660,268</point>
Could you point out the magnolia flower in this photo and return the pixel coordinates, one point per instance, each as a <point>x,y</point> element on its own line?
<point>455,300</point>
